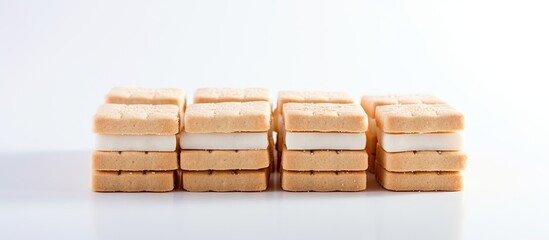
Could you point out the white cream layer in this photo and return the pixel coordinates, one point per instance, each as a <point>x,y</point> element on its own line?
<point>420,141</point>
<point>224,141</point>
<point>156,143</point>
<point>325,141</point>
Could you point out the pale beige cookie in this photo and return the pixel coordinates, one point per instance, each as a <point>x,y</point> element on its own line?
<point>136,119</point>
<point>312,97</point>
<point>226,181</point>
<point>419,118</point>
<point>200,160</point>
<point>371,102</point>
<point>141,181</point>
<point>228,117</point>
<point>154,96</point>
<point>324,117</point>
<point>421,160</point>
<point>216,95</point>
<point>312,181</point>
<point>419,181</point>
<point>324,160</point>
<point>134,161</point>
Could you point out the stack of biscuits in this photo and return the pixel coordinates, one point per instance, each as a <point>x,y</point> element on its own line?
<point>371,102</point>
<point>136,142</point>
<point>302,97</point>
<point>323,147</point>
<point>225,146</point>
<point>420,147</point>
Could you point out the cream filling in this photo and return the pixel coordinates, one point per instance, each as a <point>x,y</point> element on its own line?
<point>156,143</point>
<point>224,141</point>
<point>420,141</point>
<point>326,141</point>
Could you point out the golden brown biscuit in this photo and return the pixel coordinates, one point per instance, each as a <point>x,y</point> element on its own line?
<point>199,160</point>
<point>154,96</point>
<point>324,117</point>
<point>136,119</point>
<point>421,160</point>
<point>226,181</point>
<point>228,117</point>
<point>419,181</point>
<point>141,181</point>
<point>371,102</point>
<point>419,118</point>
<point>324,160</point>
<point>343,181</point>
<point>313,97</point>
<point>216,95</point>
<point>134,161</point>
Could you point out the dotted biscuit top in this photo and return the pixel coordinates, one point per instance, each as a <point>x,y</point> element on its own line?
<point>228,117</point>
<point>313,97</point>
<point>419,118</point>
<point>215,95</point>
<point>130,95</point>
<point>370,102</point>
<point>136,119</point>
<point>324,117</point>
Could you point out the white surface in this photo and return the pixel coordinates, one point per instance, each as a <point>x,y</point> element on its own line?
<point>486,57</point>
<point>330,141</point>
<point>224,141</point>
<point>159,143</point>
<point>420,142</point>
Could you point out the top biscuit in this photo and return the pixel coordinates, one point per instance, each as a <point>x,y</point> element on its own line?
<point>155,96</point>
<point>228,117</point>
<point>313,97</point>
<point>216,95</point>
<point>419,118</point>
<point>324,117</point>
<point>370,102</point>
<point>136,119</point>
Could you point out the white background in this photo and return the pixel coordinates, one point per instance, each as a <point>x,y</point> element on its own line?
<point>488,58</point>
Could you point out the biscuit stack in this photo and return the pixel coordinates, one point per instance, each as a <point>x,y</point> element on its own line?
<point>302,97</point>
<point>136,140</point>
<point>420,147</point>
<point>324,147</point>
<point>371,102</point>
<point>225,146</point>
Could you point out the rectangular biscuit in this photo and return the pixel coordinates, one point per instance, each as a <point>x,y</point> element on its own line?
<point>134,161</point>
<point>324,117</point>
<point>312,97</point>
<point>228,117</point>
<point>312,181</point>
<point>324,160</point>
<point>419,118</point>
<point>200,160</point>
<point>121,119</point>
<point>371,102</point>
<point>141,181</point>
<point>216,95</point>
<point>226,181</point>
<point>419,181</point>
<point>421,160</point>
<point>154,96</point>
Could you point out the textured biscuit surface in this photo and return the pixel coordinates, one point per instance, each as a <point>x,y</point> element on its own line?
<point>200,160</point>
<point>419,181</point>
<point>136,119</point>
<point>296,181</point>
<point>324,160</point>
<point>324,117</point>
<point>228,117</point>
<point>134,161</point>
<point>216,95</point>
<point>142,181</point>
<point>155,96</point>
<point>421,160</point>
<point>419,118</point>
<point>371,102</point>
<point>226,181</point>
<point>312,97</point>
